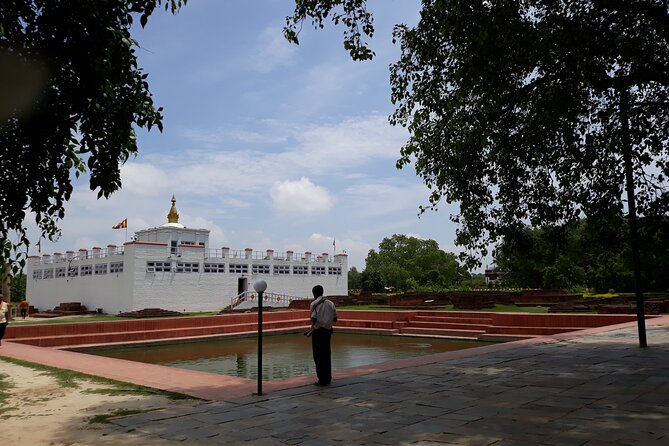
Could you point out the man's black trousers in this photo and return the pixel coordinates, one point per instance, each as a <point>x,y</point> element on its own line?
<point>320,345</point>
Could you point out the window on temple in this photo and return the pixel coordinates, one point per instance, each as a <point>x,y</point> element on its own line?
<point>157,267</point>
<point>238,269</point>
<point>188,267</point>
<point>214,267</point>
<point>281,269</point>
<point>260,269</point>
<point>300,269</point>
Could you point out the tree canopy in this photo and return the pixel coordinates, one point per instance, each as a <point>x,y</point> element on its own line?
<point>586,254</point>
<point>404,263</point>
<point>529,112</point>
<point>72,92</point>
<point>536,112</point>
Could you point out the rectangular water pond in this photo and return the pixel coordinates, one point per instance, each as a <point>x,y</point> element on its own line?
<point>284,356</point>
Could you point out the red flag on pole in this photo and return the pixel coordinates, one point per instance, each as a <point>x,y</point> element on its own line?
<point>121,225</point>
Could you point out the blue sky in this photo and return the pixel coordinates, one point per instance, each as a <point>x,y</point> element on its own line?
<point>267,144</point>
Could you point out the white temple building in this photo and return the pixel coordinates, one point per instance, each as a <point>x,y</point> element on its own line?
<point>173,267</point>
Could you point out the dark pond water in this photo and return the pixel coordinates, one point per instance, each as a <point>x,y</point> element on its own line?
<point>284,356</point>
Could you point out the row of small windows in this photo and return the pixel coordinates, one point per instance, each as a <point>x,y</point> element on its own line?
<point>74,271</point>
<point>174,248</point>
<point>185,267</point>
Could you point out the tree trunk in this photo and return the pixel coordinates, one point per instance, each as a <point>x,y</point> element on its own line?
<point>631,212</point>
<point>6,290</point>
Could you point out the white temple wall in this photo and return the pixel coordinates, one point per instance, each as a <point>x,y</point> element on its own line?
<point>213,292</point>
<point>158,274</point>
<point>110,291</point>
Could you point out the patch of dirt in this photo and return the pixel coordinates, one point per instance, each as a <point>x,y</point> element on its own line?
<point>39,411</point>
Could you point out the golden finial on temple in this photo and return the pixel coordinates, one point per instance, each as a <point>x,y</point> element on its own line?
<point>173,216</point>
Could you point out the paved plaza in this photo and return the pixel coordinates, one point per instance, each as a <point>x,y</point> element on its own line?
<point>599,389</point>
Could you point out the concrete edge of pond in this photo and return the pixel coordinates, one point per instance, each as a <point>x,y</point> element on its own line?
<point>216,387</point>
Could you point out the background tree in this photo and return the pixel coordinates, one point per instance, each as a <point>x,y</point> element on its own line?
<point>354,281</point>
<point>534,112</point>
<point>405,262</point>
<point>586,253</point>
<point>71,93</point>
<point>18,287</point>
<point>5,285</point>
<point>371,281</point>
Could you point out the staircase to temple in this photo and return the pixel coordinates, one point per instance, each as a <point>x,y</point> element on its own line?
<point>440,324</point>
<point>495,326</point>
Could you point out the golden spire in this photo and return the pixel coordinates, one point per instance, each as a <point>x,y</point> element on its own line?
<point>173,216</point>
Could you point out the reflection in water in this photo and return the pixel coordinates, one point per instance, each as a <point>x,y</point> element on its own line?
<point>284,356</point>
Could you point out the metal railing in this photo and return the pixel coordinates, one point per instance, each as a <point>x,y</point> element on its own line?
<point>264,255</point>
<point>273,299</point>
<point>82,255</point>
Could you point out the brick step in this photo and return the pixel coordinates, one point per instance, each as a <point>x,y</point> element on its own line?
<point>439,332</point>
<point>530,331</point>
<point>503,337</point>
<point>147,335</point>
<point>363,323</point>
<point>460,314</point>
<point>454,319</point>
<point>448,325</point>
<point>360,330</point>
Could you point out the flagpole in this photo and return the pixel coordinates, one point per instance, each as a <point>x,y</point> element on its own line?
<point>126,229</point>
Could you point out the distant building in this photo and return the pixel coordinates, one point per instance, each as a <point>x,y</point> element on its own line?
<point>172,267</point>
<point>492,274</point>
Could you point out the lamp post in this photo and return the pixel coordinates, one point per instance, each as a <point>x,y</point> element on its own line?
<point>260,286</point>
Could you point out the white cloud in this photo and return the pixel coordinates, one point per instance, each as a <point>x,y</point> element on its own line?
<point>145,179</point>
<point>330,149</point>
<point>336,80</point>
<point>272,51</point>
<point>351,142</point>
<point>257,138</point>
<point>382,197</point>
<point>356,248</point>
<point>322,243</point>
<point>87,243</point>
<point>213,138</point>
<point>300,197</point>
<point>414,235</point>
<point>217,236</point>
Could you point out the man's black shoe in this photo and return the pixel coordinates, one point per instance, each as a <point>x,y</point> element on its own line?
<point>320,384</point>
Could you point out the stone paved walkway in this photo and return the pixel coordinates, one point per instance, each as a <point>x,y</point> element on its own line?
<point>595,390</point>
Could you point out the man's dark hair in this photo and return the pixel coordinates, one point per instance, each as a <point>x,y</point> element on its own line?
<point>317,290</point>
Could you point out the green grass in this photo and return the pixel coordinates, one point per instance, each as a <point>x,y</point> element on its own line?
<point>512,309</point>
<point>378,307</point>
<point>116,413</point>
<point>96,318</point>
<point>5,387</point>
<point>587,296</point>
<point>497,308</point>
<point>70,378</point>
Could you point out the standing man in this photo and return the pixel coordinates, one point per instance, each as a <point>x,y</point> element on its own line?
<point>323,315</point>
<point>4,317</point>
<point>24,306</point>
